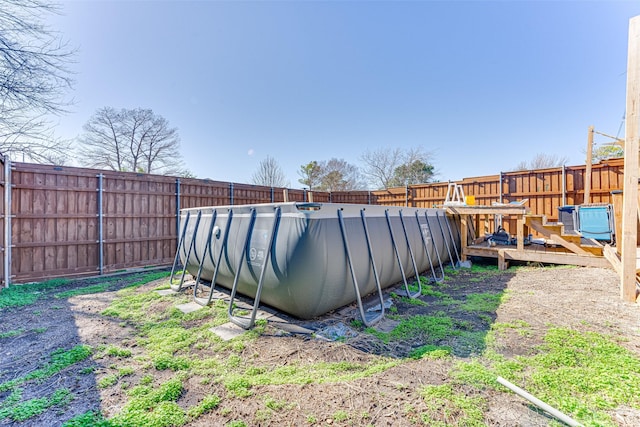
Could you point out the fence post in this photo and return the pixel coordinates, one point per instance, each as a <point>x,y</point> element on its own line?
<point>7,222</point>
<point>177,210</point>
<point>272,197</point>
<point>369,197</point>
<point>231,193</point>
<point>564,185</point>
<point>100,229</point>
<point>498,218</point>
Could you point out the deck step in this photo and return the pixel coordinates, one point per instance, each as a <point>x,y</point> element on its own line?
<point>554,231</point>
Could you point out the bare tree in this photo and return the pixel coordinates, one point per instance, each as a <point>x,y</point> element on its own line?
<point>131,140</point>
<point>338,175</point>
<point>542,161</point>
<point>380,165</point>
<point>392,167</point>
<point>269,174</point>
<point>33,80</point>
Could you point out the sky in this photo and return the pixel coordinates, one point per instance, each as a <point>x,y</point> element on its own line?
<point>481,85</point>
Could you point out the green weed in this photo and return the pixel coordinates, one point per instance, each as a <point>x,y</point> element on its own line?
<point>114,351</point>
<point>208,404</point>
<point>340,415</point>
<point>483,302</point>
<point>93,289</point>
<point>449,408</point>
<point>274,404</point>
<point>22,411</point>
<point>88,419</point>
<point>21,295</point>
<point>430,352</point>
<point>433,328</point>
<point>413,301</point>
<point>520,326</point>
<point>11,334</point>
<point>154,407</point>
<point>60,359</point>
<point>108,381</point>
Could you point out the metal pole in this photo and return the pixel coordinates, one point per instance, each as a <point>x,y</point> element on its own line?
<point>564,185</point>
<point>272,197</point>
<point>177,210</point>
<point>100,230</point>
<point>539,403</point>
<point>7,222</point>
<point>231,193</point>
<point>497,220</point>
<point>406,195</point>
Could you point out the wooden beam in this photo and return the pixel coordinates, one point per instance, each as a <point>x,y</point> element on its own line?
<point>587,177</point>
<point>631,162</point>
<point>612,256</point>
<point>539,256</point>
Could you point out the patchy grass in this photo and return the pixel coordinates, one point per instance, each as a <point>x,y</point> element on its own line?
<point>153,407</point>
<point>11,334</point>
<point>433,328</point>
<point>21,411</point>
<point>21,295</point>
<point>455,408</point>
<point>583,374</point>
<point>60,359</point>
<point>483,302</point>
<point>109,283</point>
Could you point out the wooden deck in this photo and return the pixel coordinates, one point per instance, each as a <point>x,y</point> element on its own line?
<point>533,253</point>
<point>561,247</point>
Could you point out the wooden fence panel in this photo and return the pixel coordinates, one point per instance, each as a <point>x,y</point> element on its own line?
<point>139,220</point>
<point>355,197</point>
<point>485,190</point>
<point>606,177</point>
<point>321,197</point>
<point>4,212</point>
<point>55,221</point>
<point>428,196</point>
<point>391,197</point>
<point>198,192</point>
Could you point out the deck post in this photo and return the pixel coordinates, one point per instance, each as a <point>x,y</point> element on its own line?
<point>463,236</point>
<point>587,175</point>
<point>631,161</point>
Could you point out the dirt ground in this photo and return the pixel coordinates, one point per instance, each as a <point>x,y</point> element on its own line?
<point>582,298</point>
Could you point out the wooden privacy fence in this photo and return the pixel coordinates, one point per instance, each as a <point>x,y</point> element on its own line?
<point>66,221</point>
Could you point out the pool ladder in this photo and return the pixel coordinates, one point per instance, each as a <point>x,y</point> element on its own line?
<point>215,232</point>
<point>444,230</point>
